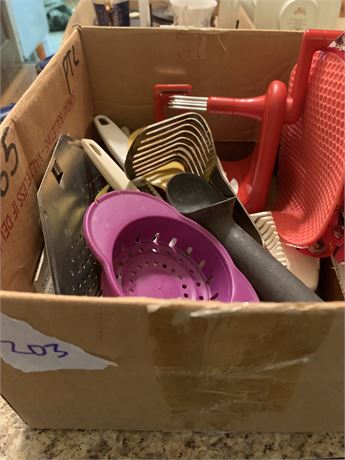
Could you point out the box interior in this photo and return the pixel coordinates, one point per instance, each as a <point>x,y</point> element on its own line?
<point>114,74</point>
<point>242,63</point>
<point>102,72</point>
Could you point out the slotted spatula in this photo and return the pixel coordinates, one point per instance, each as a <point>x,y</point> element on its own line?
<point>186,139</point>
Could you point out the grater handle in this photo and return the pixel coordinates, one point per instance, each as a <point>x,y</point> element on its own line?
<point>111,172</point>
<point>113,137</point>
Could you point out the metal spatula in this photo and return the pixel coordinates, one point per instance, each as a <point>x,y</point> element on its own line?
<point>187,140</point>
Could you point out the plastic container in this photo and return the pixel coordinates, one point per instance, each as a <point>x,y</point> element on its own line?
<point>296,14</point>
<point>195,13</point>
<point>227,14</point>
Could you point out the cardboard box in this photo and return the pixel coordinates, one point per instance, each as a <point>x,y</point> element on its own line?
<point>135,363</point>
<point>84,14</point>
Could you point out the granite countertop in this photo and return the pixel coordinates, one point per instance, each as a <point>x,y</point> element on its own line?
<point>18,442</point>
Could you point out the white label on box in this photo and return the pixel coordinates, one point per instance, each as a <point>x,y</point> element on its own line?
<point>28,350</point>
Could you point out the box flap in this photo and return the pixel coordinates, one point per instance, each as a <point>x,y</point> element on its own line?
<point>59,100</point>
<point>257,367</point>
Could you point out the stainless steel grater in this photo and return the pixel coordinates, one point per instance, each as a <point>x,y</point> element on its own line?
<point>69,185</point>
<point>43,281</point>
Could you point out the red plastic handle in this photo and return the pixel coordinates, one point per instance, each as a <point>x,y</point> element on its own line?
<point>246,107</point>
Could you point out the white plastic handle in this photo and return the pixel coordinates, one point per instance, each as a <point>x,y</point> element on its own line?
<point>114,138</point>
<point>111,172</point>
<point>126,131</point>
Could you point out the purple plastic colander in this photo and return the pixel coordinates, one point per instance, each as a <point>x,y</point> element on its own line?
<point>147,248</point>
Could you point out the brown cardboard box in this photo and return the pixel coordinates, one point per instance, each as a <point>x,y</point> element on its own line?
<point>133,363</point>
<point>84,14</point>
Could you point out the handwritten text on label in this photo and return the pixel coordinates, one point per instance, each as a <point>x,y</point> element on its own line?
<point>26,349</point>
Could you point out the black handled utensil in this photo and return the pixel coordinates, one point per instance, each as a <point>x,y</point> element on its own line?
<point>195,198</point>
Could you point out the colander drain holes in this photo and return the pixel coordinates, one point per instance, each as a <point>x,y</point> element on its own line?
<point>141,273</point>
<point>155,263</point>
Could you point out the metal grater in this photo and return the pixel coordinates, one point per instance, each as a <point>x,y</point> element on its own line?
<point>69,185</point>
<point>43,281</point>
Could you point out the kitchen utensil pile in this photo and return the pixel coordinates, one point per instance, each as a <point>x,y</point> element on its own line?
<point>159,217</point>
